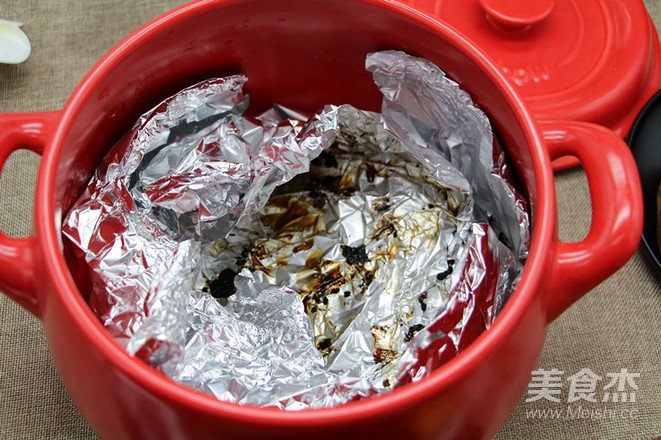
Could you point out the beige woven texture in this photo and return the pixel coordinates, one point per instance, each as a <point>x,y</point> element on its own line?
<point>617,325</point>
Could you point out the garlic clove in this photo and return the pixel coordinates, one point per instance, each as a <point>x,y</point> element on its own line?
<point>14,44</point>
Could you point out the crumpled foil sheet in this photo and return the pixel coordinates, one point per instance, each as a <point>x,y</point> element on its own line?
<point>303,262</point>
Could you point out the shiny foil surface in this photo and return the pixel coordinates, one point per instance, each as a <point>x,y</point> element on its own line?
<point>303,261</point>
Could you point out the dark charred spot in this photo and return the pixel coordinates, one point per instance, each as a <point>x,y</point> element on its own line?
<point>370,172</point>
<point>412,331</point>
<point>306,245</point>
<point>446,273</point>
<point>383,352</point>
<point>382,204</point>
<point>354,255</point>
<point>347,293</point>
<point>422,300</point>
<point>430,206</point>
<point>330,284</point>
<point>325,284</point>
<point>223,286</point>
<point>243,258</point>
<point>368,277</point>
<point>443,275</point>
<point>386,383</point>
<point>384,355</point>
<point>324,345</point>
<point>308,302</point>
<point>387,229</point>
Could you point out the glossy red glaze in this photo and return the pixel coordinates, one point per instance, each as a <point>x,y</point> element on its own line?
<point>607,236</point>
<point>574,60</point>
<point>517,14</point>
<point>17,275</point>
<point>304,54</point>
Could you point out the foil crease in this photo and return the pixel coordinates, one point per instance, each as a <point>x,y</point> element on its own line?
<point>435,117</point>
<point>303,262</point>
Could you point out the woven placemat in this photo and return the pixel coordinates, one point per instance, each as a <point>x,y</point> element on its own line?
<point>615,327</point>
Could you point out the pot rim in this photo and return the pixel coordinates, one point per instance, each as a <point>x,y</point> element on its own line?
<point>48,235</point>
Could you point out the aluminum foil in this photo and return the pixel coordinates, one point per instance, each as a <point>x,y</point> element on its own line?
<point>303,262</point>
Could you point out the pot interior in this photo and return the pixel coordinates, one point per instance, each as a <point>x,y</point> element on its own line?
<point>303,54</point>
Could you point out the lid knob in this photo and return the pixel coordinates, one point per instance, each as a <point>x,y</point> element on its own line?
<point>517,14</point>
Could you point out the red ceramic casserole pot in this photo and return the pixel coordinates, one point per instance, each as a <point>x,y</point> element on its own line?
<point>304,54</point>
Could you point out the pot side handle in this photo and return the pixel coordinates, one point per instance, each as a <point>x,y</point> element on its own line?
<point>617,211</point>
<point>17,273</point>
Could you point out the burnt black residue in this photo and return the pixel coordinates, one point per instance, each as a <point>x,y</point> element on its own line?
<point>384,355</point>
<point>446,273</point>
<point>243,258</point>
<point>319,199</point>
<point>223,286</point>
<point>422,299</point>
<point>326,284</point>
<point>381,204</point>
<point>330,283</point>
<point>370,172</point>
<point>386,229</point>
<point>368,277</point>
<point>354,255</point>
<point>383,351</point>
<point>412,331</point>
<point>324,345</point>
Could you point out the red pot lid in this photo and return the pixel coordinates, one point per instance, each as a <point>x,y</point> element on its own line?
<point>583,60</point>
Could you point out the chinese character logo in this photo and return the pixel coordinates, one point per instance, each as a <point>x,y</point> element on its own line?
<point>583,386</point>
<point>545,384</point>
<point>622,379</point>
